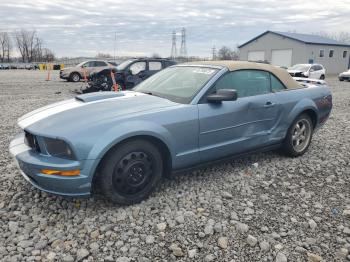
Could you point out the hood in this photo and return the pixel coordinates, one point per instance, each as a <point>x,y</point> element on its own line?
<point>346,73</point>
<point>295,71</point>
<point>88,110</point>
<point>68,68</point>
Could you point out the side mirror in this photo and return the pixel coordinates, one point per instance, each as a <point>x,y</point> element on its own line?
<point>223,95</point>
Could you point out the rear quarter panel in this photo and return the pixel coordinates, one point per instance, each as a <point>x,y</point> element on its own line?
<point>295,101</point>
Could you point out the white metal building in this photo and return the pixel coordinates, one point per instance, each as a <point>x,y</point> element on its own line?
<point>287,49</point>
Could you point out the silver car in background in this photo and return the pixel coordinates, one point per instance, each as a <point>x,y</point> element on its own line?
<point>84,69</point>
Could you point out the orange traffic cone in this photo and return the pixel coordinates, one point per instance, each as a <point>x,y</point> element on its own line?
<point>115,85</point>
<point>85,77</point>
<point>48,68</point>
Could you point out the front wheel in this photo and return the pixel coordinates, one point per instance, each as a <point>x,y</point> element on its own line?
<point>322,77</point>
<point>75,77</point>
<point>299,136</point>
<point>130,172</point>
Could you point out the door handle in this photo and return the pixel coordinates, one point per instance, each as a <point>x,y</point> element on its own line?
<point>269,104</point>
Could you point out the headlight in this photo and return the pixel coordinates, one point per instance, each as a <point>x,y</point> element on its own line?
<point>58,148</point>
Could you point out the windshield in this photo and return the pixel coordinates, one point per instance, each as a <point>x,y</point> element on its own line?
<point>302,68</point>
<point>124,65</point>
<point>178,84</point>
<point>81,64</point>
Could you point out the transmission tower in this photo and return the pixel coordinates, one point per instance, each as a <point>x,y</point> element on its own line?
<point>183,50</point>
<point>213,53</point>
<point>173,46</point>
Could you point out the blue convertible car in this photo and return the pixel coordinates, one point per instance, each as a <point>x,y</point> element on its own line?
<point>185,115</point>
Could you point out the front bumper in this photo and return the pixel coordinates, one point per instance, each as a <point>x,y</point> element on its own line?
<point>63,75</point>
<point>344,77</point>
<point>31,163</point>
<point>298,74</point>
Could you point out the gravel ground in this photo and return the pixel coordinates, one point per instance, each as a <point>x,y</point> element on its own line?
<point>265,207</point>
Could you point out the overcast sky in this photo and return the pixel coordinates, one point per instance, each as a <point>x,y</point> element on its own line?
<point>84,28</point>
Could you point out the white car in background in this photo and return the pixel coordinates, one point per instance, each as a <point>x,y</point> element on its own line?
<point>315,71</point>
<point>344,76</point>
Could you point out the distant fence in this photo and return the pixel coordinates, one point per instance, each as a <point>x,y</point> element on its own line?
<point>49,66</point>
<point>62,63</point>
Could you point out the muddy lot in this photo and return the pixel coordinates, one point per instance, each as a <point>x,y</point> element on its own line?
<point>264,207</point>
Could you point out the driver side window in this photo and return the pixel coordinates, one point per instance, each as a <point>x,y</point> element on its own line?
<point>137,67</point>
<point>87,64</point>
<point>245,82</point>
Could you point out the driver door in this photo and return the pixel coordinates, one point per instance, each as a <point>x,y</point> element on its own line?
<point>232,127</point>
<point>136,74</point>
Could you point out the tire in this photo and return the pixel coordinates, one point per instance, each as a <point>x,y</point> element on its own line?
<point>296,143</point>
<point>341,79</point>
<point>322,77</point>
<point>74,77</point>
<point>130,172</point>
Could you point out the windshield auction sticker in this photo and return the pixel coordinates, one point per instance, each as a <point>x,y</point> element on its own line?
<point>206,71</point>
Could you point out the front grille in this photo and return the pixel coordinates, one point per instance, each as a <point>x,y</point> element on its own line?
<point>31,141</point>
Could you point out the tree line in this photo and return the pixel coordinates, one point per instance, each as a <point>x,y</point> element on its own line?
<point>226,53</point>
<point>28,44</point>
<point>343,37</point>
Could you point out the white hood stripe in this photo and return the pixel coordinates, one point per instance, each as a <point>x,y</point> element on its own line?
<point>56,108</point>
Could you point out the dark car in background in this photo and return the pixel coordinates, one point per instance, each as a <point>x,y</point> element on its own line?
<point>133,71</point>
<point>126,75</point>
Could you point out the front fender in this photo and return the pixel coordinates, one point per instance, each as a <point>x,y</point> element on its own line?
<point>124,131</point>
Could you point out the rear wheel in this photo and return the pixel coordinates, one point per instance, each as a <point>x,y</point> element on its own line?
<point>299,136</point>
<point>130,172</point>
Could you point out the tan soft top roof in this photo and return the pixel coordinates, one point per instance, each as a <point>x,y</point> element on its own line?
<point>281,73</point>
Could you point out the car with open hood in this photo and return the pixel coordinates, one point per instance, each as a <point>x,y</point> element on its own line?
<point>315,71</point>
<point>122,143</point>
<point>133,71</point>
<point>344,76</point>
